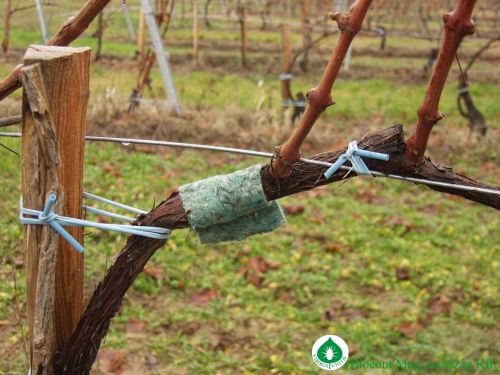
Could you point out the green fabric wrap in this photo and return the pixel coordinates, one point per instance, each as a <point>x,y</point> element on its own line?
<point>230,207</point>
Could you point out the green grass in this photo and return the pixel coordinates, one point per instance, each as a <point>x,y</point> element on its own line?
<point>450,247</point>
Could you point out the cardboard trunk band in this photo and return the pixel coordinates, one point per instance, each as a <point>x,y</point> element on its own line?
<point>230,207</point>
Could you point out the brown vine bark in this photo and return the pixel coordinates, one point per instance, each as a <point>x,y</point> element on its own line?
<point>80,352</point>
<point>320,97</point>
<point>68,32</point>
<point>458,24</point>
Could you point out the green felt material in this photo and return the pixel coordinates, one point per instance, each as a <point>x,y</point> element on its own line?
<point>230,207</point>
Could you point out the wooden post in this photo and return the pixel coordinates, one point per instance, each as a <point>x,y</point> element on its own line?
<point>196,49</point>
<point>65,73</point>
<point>141,37</point>
<point>306,35</point>
<point>243,29</point>
<point>286,92</point>
<point>99,34</point>
<point>6,26</point>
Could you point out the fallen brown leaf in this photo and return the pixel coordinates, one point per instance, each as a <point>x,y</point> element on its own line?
<point>408,329</point>
<point>155,272</point>
<point>103,220</point>
<point>369,196</point>
<point>294,209</point>
<point>396,220</point>
<point>339,310</point>
<point>439,304</point>
<point>135,325</point>
<point>255,267</point>
<point>204,297</point>
<point>333,247</point>
<point>425,320</point>
<point>321,238</point>
<point>111,169</point>
<point>403,273</point>
<point>111,361</point>
<point>488,166</point>
<point>317,193</point>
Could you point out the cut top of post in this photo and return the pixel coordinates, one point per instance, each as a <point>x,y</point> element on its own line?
<point>41,52</point>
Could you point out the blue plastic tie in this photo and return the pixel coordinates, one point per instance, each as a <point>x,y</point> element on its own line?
<point>354,155</point>
<point>47,217</point>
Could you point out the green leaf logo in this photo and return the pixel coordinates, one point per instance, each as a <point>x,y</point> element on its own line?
<point>329,352</point>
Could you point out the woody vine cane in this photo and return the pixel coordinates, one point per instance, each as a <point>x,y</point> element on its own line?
<point>319,98</point>
<point>458,24</point>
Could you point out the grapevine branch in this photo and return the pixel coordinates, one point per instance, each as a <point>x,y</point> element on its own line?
<point>319,98</point>
<point>458,24</point>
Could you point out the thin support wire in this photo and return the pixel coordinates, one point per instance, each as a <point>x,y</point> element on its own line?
<point>195,146</point>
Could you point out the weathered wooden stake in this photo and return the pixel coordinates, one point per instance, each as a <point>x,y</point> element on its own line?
<point>243,30</point>
<point>306,35</point>
<point>6,26</point>
<point>196,31</point>
<point>99,34</point>
<point>141,37</point>
<point>286,76</point>
<point>65,73</point>
<point>286,92</point>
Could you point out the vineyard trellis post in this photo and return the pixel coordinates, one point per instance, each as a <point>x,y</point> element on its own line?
<point>56,92</point>
<point>347,60</point>
<point>141,37</point>
<point>196,31</point>
<point>286,76</point>
<point>41,19</point>
<point>6,25</point>
<point>286,45</point>
<point>244,34</point>
<point>99,33</point>
<point>161,54</point>
<point>306,34</point>
<point>126,14</point>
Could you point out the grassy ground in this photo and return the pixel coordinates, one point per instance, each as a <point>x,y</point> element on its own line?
<point>397,270</point>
